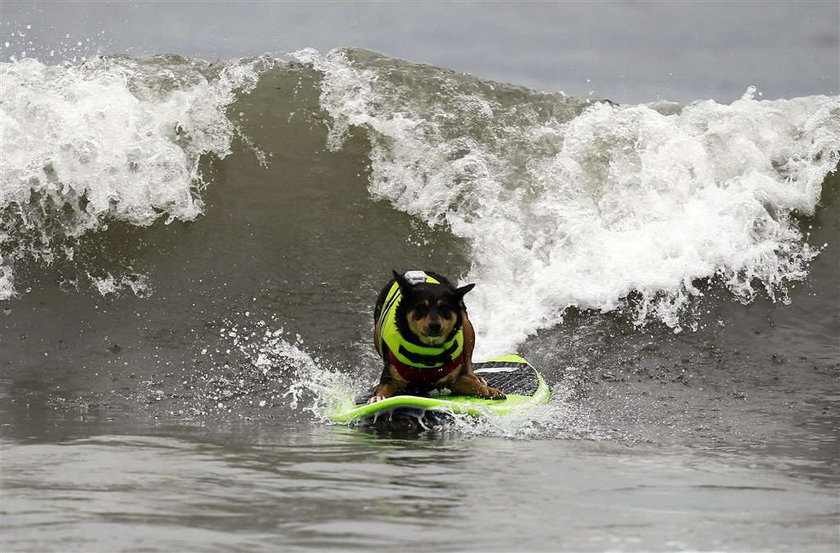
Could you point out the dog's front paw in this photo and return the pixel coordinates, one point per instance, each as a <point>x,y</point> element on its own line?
<point>494,393</point>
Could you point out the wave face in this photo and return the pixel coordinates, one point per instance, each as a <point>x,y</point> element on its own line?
<point>567,202</point>
<point>112,139</point>
<point>551,204</point>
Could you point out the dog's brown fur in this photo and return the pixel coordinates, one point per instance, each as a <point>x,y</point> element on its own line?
<point>433,327</point>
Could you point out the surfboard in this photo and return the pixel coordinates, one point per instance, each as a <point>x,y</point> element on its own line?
<point>523,385</point>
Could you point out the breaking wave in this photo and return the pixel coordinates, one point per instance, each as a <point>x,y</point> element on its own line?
<point>110,139</point>
<point>567,202</point>
<point>563,202</point>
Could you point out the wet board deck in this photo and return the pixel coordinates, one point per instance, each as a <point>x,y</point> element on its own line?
<point>518,379</point>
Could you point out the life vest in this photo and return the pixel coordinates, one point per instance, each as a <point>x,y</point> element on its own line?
<point>417,364</point>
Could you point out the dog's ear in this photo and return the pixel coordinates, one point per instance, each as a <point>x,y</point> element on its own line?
<point>462,291</point>
<point>405,286</point>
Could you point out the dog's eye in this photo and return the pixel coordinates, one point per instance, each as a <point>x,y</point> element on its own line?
<point>421,311</point>
<point>444,310</point>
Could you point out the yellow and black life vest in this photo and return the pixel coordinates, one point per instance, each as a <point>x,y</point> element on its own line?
<point>416,362</point>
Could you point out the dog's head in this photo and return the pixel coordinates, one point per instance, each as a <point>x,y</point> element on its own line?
<point>432,312</point>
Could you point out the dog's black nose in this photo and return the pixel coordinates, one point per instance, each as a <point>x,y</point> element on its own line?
<point>434,327</point>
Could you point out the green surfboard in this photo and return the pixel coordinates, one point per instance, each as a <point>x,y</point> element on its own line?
<point>517,378</point>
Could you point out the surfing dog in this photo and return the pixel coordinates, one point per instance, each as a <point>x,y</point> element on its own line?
<point>425,339</point>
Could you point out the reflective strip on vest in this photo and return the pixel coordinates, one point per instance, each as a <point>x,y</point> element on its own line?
<point>407,353</point>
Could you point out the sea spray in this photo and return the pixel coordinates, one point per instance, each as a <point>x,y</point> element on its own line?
<point>275,370</point>
<point>571,203</point>
<point>561,418</point>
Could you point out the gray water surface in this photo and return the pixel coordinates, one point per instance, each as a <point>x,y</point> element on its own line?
<point>304,488</point>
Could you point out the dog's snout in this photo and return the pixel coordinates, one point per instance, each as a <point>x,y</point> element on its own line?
<point>435,326</point>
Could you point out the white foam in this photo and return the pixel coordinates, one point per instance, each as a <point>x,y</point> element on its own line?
<point>7,281</point>
<point>108,139</point>
<point>585,210</point>
<point>139,284</point>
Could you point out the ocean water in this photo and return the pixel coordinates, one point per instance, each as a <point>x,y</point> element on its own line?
<point>190,251</point>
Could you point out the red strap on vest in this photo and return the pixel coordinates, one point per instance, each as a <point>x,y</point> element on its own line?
<point>423,375</point>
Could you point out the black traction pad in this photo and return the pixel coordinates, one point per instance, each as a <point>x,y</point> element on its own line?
<point>510,378</point>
